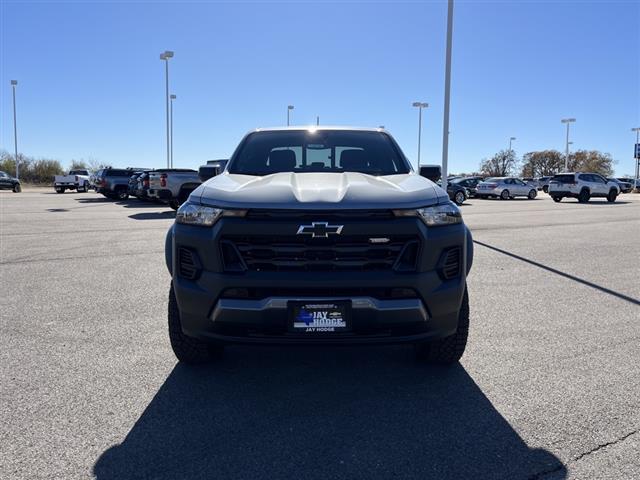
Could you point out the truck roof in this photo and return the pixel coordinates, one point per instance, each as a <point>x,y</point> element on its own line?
<point>319,127</point>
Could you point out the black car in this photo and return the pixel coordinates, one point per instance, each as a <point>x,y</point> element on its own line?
<point>470,183</point>
<point>625,187</point>
<point>457,193</point>
<point>7,182</point>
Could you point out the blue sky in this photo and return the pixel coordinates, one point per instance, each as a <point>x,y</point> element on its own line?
<point>91,83</point>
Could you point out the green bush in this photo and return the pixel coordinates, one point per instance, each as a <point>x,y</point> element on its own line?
<point>36,171</point>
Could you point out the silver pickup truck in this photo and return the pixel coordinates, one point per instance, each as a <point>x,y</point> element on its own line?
<point>319,236</point>
<point>172,185</point>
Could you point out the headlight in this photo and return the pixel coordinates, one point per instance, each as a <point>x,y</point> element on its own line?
<point>194,214</point>
<point>438,215</point>
<point>200,215</point>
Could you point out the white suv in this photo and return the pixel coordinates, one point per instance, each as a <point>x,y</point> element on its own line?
<point>582,186</point>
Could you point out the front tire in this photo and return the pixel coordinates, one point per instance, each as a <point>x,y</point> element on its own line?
<point>448,350</point>
<point>532,194</point>
<point>612,196</point>
<point>459,198</point>
<point>545,189</point>
<point>187,349</point>
<point>17,188</point>
<point>557,199</point>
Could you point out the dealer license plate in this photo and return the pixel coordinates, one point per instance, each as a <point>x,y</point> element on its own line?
<point>319,317</point>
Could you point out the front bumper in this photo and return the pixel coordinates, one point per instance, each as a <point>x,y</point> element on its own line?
<point>208,313</point>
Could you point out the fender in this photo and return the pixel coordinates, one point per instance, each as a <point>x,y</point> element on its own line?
<point>168,250</point>
<point>469,251</point>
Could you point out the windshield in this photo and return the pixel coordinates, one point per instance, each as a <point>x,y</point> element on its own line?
<point>300,151</point>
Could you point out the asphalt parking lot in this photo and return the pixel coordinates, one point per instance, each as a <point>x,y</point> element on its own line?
<point>548,388</point>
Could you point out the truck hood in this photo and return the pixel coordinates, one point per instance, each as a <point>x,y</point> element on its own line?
<point>349,190</point>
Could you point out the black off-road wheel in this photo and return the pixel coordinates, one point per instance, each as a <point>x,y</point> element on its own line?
<point>448,350</point>
<point>612,196</point>
<point>584,196</point>
<point>188,349</point>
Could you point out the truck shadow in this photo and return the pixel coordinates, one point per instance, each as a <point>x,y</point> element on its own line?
<point>322,413</point>
<point>154,215</point>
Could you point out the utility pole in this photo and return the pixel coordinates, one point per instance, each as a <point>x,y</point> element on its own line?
<point>15,128</point>
<point>568,121</point>
<point>447,97</point>
<point>166,55</point>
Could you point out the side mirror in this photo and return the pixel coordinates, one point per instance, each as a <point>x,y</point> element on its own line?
<point>211,169</point>
<point>432,172</point>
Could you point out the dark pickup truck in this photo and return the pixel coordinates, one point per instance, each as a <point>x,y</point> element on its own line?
<point>319,236</point>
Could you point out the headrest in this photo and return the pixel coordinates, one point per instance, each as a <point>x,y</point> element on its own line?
<point>282,160</point>
<point>353,160</point>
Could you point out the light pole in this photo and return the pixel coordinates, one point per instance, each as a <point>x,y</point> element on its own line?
<point>568,121</point>
<point>172,97</point>
<point>15,128</point>
<point>511,140</point>
<point>289,108</point>
<point>166,55</point>
<point>420,106</point>
<point>447,96</point>
<point>636,155</point>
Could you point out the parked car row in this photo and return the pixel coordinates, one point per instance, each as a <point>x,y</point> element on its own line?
<point>168,185</point>
<point>580,185</point>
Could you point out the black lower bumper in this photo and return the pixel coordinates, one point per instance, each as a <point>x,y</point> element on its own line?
<point>260,314</point>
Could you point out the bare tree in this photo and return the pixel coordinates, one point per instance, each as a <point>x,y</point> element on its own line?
<point>542,163</point>
<point>550,162</point>
<point>78,165</point>
<point>95,164</point>
<point>591,161</point>
<point>501,164</point>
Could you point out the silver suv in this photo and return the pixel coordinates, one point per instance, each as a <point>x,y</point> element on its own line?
<point>583,186</point>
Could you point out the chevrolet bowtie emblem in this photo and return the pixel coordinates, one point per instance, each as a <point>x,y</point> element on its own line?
<point>320,229</point>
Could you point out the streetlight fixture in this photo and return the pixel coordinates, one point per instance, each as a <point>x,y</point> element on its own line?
<point>15,127</point>
<point>420,106</point>
<point>289,108</point>
<point>447,96</point>
<point>568,121</point>
<point>172,97</point>
<point>511,140</point>
<point>166,55</point>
